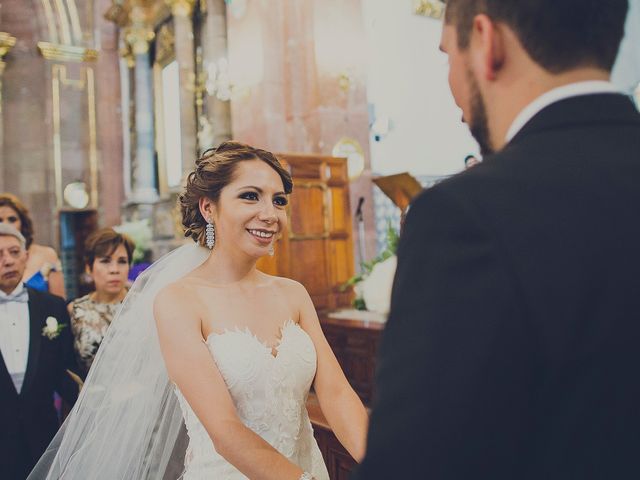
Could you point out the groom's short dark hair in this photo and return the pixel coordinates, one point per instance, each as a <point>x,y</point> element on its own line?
<point>557,35</point>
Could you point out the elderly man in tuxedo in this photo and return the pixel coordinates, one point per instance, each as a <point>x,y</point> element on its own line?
<point>513,343</point>
<point>37,352</point>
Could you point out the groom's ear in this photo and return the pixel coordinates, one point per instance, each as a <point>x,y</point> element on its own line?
<point>487,47</point>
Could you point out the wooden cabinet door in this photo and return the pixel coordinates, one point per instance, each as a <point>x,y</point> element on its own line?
<point>317,249</point>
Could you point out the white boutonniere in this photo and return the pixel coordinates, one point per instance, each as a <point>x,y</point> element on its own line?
<point>52,329</point>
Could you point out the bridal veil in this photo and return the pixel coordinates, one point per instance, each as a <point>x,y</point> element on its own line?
<point>126,422</point>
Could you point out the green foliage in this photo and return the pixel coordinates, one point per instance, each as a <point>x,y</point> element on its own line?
<point>390,250</point>
<point>358,304</point>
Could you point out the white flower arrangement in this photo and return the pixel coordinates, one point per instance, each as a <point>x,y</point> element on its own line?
<point>373,286</point>
<point>141,234</point>
<point>52,328</point>
<point>376,288</point>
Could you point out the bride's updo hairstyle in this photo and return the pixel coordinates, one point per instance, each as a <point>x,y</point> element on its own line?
<point>214,171</point>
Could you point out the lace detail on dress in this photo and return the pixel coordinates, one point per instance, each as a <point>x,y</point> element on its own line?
<point>269,393</point>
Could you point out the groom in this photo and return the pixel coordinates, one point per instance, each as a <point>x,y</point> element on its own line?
<point>513,344</point>
<point>36,347</point>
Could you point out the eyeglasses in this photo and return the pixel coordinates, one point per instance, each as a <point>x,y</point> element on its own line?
<point>12,252</point>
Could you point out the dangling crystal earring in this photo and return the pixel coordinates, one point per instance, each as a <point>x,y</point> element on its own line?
<point>271,251</point>
<point>210,235</point>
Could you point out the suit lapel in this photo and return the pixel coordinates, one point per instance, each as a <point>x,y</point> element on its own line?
<point>6,384</point>
<point>35,339</point>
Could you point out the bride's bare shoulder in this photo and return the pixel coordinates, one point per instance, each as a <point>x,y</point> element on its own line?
<point>290,287</point>
<point>175,298</point>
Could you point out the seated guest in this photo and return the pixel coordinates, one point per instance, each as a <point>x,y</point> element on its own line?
<point>37,356</point>
<point>44,271</point>
<point>470,161</point>
<point>108,256</point>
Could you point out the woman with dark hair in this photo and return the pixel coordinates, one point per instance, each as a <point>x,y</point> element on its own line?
<point>44,270</point>
<point>207,341</point>
<point>107,256</point>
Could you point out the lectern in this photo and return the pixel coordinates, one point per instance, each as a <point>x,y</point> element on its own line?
<point>401,188</point>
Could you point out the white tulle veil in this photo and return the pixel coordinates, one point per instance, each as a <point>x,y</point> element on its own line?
<point>126,423</point>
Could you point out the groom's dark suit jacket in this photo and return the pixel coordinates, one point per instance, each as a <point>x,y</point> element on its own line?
<point>28,421</point>
<point>513,346</point>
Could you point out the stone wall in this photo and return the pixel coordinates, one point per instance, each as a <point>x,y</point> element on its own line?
<point>61,110</point>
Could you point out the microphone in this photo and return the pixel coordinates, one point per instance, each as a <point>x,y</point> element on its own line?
<point>359,209</point>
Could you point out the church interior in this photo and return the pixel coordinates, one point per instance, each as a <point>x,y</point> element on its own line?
<point>105,105</point>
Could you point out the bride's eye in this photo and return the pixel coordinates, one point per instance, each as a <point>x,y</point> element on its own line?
<point>253,196</point>
<point>280,201</point>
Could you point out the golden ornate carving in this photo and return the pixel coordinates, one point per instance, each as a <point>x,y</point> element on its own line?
<point>127,53</point>
<point>139,32</point>
<point>165,44</point>
<point>181,8</point>
<point>429,8</point>
<point>139,36</point>
<point>118,14</point>
<point>6,42</point>
<point>67,53</point>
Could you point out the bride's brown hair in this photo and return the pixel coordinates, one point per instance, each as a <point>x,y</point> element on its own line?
<point>215,170</point>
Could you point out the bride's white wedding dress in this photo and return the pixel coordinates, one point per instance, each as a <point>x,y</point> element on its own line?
<point>269,391</point>
<point>127,421</point>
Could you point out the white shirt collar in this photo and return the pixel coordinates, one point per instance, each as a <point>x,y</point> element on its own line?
<point>16,291</point>
<point>555,95</point>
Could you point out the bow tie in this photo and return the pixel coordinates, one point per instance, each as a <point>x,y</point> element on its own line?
<point>20,297</point>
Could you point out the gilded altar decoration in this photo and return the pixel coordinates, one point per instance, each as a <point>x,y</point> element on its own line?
<point>429,8</point>
<point>165,44</point>
<point>138,34</point>
<point>182,8</point>
<point>6,42</point>
<point>67,53</point>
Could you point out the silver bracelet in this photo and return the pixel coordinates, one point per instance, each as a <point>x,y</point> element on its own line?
<point>306,476</point>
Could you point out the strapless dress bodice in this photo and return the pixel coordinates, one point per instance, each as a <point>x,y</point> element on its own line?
<point>269,391</point>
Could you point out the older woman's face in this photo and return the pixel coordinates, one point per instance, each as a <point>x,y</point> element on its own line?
<point>110,273</point>
<point>10,216</point>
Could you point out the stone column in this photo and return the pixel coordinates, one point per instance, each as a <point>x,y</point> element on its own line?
<point>185,55</point>
<point>6,42</point>
<point>127,84</point>
<point>215,48</point>
<point>144,188</point>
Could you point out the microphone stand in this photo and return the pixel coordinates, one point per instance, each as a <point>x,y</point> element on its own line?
<point>361,243</point>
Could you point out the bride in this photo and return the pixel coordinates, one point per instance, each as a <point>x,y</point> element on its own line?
<point>206,340</point>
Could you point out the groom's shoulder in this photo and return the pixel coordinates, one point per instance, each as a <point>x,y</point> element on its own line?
<point>492,175</point>
<point>490,190</point>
